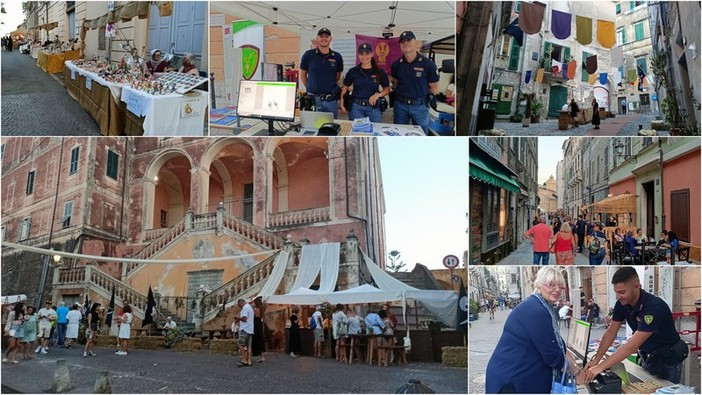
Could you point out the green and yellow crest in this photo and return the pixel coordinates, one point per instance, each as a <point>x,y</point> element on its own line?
<point>648,319</point>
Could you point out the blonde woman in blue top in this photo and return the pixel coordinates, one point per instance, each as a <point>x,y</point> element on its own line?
<point>531,347</point>
<point>366,78</point>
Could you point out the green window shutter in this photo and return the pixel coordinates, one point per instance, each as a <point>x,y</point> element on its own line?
<point>639,31</point>
<point>566,54</point>
<point>547,55</point>
<point>514,56</point>
<point>623,36</point>
<point>519,6</point>
<point>641,62</point>
<point>112,162</point>
<point>632,5</point>
<point>582,67</point>
<point>619,8</point>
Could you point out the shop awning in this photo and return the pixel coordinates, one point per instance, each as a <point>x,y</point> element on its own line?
<point>490,174</point>
<point>624,203</point>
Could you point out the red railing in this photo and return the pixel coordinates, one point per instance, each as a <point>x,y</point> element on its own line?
<point>696,331</point>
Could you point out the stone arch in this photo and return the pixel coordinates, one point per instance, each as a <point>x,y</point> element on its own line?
<point>167,189</point>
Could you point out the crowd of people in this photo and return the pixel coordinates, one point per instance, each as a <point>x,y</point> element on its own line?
<point>565,237</point>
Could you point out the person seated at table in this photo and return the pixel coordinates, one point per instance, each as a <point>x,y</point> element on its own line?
<point>188,66</point>
<point>664,238</point>
<point>640,236</point>
<point>157,64</point>
<point>618,235</point>
<point>132,59</point>
<point>630,244</point>
<point>671,243</point>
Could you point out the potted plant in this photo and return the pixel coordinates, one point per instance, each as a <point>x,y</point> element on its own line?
<point>537,108</point>
<point>527,112</point>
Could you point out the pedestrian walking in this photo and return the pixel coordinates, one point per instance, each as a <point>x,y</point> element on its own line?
<point>623,103</point>
<point>125,330</point>
<point>317,324</point>
<point>563,245</point>
<point>294,343</point>
<point>91,333</point>
<point>61,323</point>
<point>415,77</point>
<point>540,235</point>
<point>596,246</point>
<point>340,331</point>
<point>320,69</point>
<point>258,341</point>
<point>73,318</point>
<point>29,331</point>
<point>46,316</point>
<point>595,114</point>
<point>574,109</point>
<point>246,330</point>
<point>14,331</point>
<point>580,229</point>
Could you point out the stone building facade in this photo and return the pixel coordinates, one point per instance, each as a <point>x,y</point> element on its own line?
<point>548,197</point>
<point>634,37</point>
<point>177,198</point>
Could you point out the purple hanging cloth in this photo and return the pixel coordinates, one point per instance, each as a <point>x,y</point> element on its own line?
<point>560,24</point>
<point>527,78</point>
<point>565,71</point>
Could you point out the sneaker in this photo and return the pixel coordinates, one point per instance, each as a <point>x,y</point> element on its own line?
<point>4,360</point>
<point>91,354</point>
<point>44,351</point>
<point>37,350</point>
<point>85,354</point>
<point>117,352</point>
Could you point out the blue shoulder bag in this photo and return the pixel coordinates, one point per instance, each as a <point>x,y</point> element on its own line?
<point>566,384</point>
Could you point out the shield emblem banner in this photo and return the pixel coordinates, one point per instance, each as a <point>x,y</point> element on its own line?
<point>250,56</point>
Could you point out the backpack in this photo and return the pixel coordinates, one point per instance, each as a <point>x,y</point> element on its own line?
<point>594,246</point>
<point>313,323</point>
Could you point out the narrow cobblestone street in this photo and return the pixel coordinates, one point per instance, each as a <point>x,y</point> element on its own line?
<point>622,125</point>
<point>523,255</point>
<point>35,103</point>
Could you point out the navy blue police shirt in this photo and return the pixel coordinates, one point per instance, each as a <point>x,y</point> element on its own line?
<point>413,78</point>
<point>365,81</point>
<point>650,314</point>
<point>321,70</point>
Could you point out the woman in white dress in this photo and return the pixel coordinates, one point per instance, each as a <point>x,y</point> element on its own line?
<point>124,330</point>
<point>73,317</point>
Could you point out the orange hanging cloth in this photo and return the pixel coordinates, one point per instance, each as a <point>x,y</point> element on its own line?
<point>539,75</point>
<point>572,66</point>
<point>606,34</point>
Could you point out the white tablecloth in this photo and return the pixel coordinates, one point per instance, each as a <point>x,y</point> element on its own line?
<point>165,115</point>
<point>115,89</point>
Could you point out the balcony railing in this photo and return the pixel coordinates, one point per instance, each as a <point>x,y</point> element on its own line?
<point>298,217</point>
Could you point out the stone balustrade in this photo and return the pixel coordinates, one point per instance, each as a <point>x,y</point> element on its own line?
<point>71,275</point>
<point>298,217</point>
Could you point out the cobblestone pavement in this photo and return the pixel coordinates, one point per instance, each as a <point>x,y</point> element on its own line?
<point>35,103</point>
<point>622,125</point>
<point>484,334</point>
<point>144,371</point>
<point>523,255</point>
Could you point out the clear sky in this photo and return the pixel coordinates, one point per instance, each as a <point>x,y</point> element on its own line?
<point>426,197</point>
<point>550,152</point>
<point>12,18</point>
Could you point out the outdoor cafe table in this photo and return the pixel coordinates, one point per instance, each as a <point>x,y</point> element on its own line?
<point>172,114</point>
<point>99,97</point>
<point>370,345</point>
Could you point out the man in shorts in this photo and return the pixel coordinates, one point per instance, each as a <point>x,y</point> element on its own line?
<point>46,316</point>
<point>246,330</point>
<point>318,332</point>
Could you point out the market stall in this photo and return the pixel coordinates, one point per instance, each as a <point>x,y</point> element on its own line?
<point>621,207</point>
<point>171,114</point>
<point>53,62</point>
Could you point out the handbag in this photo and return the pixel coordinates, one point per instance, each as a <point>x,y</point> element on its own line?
<point>566,384</point>
<point>552,248</point>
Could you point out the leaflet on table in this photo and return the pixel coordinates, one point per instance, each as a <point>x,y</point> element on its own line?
<point>136,103</point>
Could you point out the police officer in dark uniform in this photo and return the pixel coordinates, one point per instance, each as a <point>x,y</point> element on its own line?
<point>655,337</point>
<point>414,77</point>
<point>365,79</point>
<point>321,69</point>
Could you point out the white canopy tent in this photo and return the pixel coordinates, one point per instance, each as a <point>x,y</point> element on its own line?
<point>320,258</point>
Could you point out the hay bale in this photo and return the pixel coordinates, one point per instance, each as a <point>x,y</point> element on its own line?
<point>189,344</point>
<point>224,346</point>
<point>148,342</point>
<point>456,357</point>
<point>106,341</point>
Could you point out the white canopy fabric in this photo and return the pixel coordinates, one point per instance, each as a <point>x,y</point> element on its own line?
<point>315,258</point>
<point>429,21</point>
<point>365,293</point>
<point>281,261</point>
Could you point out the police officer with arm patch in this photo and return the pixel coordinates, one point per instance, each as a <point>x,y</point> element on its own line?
<point>655,337</point>
<point>415,77</point>
<point>321,69</point>
<point>365,79</point>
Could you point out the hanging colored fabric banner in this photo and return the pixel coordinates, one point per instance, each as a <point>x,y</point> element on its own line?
<point>591,64</point>
<point>592,78</point>
<point>603,78</point>
<point>605,33</point>
<point>572,66</point>
<point>583,29</point>
<point>527,78</point>
<point>560,24</point>
<point>556,67</point>
<point>617,57</point>
<point>631,76</point>
<point>514,31</point>
<point>564,74</point>
<point>530,17</point>
<point>616,76</point>
<point>539,76</point>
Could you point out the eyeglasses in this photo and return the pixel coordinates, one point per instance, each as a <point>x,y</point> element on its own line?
<point>554,286</point>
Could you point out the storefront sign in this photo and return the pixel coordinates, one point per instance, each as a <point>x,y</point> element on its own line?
<point>216,20</point>
<point>88,83</point>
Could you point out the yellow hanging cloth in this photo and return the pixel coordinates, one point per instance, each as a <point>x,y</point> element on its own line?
<point>539,75</point>
<point>606,34</point>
